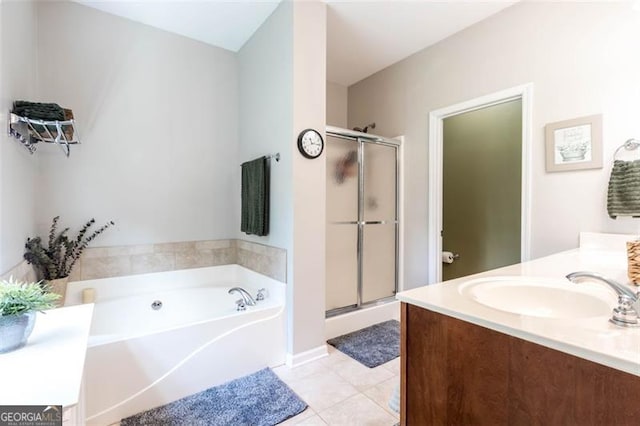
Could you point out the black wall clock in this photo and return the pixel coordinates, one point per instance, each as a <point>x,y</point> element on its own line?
<point>310,143</point>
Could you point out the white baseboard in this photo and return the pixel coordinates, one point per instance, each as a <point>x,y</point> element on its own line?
<point>356,320</point>
<point>295,360</point>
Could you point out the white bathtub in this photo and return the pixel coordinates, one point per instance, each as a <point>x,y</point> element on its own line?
<point>139,358</point>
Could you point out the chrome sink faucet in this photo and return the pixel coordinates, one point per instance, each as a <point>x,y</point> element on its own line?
<point>246,297</point>
<point>626,313</point>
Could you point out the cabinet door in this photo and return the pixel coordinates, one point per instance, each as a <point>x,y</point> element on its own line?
<point>457,373</point>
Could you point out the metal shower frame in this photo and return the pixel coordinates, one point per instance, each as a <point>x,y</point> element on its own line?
<point>363,138</point>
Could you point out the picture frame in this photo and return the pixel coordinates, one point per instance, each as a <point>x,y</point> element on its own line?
<point>574,144</point>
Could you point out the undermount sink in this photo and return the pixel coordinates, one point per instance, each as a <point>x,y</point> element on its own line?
<point>540,297</point>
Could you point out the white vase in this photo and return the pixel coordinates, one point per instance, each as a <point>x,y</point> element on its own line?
<point>59,286</point>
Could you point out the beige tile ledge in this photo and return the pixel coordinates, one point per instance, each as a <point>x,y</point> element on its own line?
<point>153,262</point>
<point>97,252</point>
<point>103,262</point>
<point>181,247</point>
<point>105,267</point>
<point>215,244</point>
<point>21,272</point>
<point>270,261</point>
<point>197,259</point>
<point>258,247</point>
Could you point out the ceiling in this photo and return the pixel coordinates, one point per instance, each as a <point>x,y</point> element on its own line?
<point>363,36</point>
<point>223,23</point>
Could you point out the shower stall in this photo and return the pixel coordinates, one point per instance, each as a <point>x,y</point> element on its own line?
<point>362,220</point>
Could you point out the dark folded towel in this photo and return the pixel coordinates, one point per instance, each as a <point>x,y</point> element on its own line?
<point>39,111</point>
<point>255,197</point>
<point>46,112</point>
<point>623,198</point>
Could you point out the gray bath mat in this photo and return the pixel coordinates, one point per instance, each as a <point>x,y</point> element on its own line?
<point>371,346</point>
<point>259,399</point>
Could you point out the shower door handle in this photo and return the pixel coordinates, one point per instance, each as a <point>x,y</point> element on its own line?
<point>378,222</point>
<point>365,222</point>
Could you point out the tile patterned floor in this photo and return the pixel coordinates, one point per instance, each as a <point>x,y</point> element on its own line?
<point>342,392</point>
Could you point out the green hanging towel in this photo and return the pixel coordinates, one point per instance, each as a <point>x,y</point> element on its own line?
<point>255,197</point>
<point>623,198</point>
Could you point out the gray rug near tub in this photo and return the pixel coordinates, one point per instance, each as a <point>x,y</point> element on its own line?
<point>371,346</point>
<point>259,399</point>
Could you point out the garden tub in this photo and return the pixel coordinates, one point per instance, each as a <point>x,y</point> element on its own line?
<point>158,337</point>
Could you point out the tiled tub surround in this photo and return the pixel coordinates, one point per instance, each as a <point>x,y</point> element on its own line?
<point>21,272</point>
<point>267,260</point>
<point>107,262</point>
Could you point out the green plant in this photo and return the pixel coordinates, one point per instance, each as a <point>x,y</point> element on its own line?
<point>17,297</point>
<point>57,260</point>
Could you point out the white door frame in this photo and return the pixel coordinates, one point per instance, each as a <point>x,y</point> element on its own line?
<point>400,171</point>
<point>524,92</point>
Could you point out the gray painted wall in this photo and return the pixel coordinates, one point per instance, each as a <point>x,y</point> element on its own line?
<point>277,82</point>
<point>337,96</point>
<point>265,69</point>
<point>18,169</point>
<point>157,115</point>
<point>266,117</point>
<point>309,215</point>
<point>581,58</point>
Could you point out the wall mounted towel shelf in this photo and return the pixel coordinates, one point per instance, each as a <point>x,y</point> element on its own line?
<point>29,132</point>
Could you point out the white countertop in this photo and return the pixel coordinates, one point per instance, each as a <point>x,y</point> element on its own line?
<point>48,370</point>
<point>595,339</point>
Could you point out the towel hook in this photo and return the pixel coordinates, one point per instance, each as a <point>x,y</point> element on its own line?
<point>629,145</point>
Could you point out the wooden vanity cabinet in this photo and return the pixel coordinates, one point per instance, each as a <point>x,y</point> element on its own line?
<point>457,373</point>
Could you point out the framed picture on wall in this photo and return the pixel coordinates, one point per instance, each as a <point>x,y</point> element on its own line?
<point>574,144</point>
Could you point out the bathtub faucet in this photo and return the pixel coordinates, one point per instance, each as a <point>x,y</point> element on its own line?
<point>248,300</point>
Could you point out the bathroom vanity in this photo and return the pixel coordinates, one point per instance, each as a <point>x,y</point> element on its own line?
<point>522,345</point>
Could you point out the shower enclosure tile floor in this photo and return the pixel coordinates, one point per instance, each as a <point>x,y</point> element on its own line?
<point>342,392</point>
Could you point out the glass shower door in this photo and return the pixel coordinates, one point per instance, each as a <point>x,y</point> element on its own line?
<point>342,223</point>
<point>379,221</point>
